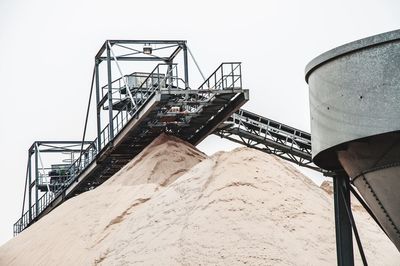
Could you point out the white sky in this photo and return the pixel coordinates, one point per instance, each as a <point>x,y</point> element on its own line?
<point>47,51</point>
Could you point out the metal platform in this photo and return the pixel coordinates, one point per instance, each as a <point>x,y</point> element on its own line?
<point>161,101</point>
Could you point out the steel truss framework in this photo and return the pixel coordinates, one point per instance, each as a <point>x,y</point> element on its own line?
<point>269,136</point>
<point>37,178</point>
<point>137,107</point>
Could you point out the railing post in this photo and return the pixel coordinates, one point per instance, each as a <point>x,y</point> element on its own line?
<point>240,75</point>
<point>215,80</point>
<point>169,76</point>
<point>233,76</point>
<point>158,76</point>
<point>222,76</point>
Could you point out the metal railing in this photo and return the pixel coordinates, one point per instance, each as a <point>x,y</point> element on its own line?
<point>164,77</point>
<point>156,80</point>
<point>86,157</point>
<point>226,76</point>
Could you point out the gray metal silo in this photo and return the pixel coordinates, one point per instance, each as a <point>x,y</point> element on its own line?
<point>355,120</point>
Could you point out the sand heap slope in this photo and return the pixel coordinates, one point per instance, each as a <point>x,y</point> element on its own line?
<point>172,205</point>
<point>162,162</point>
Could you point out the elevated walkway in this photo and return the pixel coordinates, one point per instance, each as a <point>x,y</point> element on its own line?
<point>158,105</point>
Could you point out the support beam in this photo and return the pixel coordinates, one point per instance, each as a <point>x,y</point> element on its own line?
<point>344,238</point>
<point>147,41</point>
<point>36,179</point>
<point>58,150</point>
<point>98,108</point>
<point>101,51</point>
<point>186,66</point>
<point>59,142</point>
<point>136,58</point>
<point>29,186</point>
<point>175,53</point>
<point>110,111</point>
<point>355,231</point>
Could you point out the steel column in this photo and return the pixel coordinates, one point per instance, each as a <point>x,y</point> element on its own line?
<point>185,65</point>
<point>30,185</point>
<point>344,238</point>
<point>109,81</point>
<point>36,179</point>
<point>98,108</point>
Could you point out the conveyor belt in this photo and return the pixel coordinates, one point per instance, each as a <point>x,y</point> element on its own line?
<point>269,136</point>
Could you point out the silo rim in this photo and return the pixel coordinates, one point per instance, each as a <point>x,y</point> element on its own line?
<point>349,48</point>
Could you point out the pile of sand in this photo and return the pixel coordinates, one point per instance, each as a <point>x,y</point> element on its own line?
<point>162,162</point>
<point>173,205</point>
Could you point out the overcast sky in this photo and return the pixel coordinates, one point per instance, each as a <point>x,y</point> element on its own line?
<point>47,52</point>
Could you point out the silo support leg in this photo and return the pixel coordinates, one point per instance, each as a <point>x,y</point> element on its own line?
<point>344,240</point>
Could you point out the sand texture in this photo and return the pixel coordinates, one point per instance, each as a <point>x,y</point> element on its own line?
<point>173,205</point>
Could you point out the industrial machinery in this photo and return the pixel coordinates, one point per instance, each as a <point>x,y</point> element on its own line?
<point>355,124</point>
<point>131,111</point>
<point>353,93</point>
